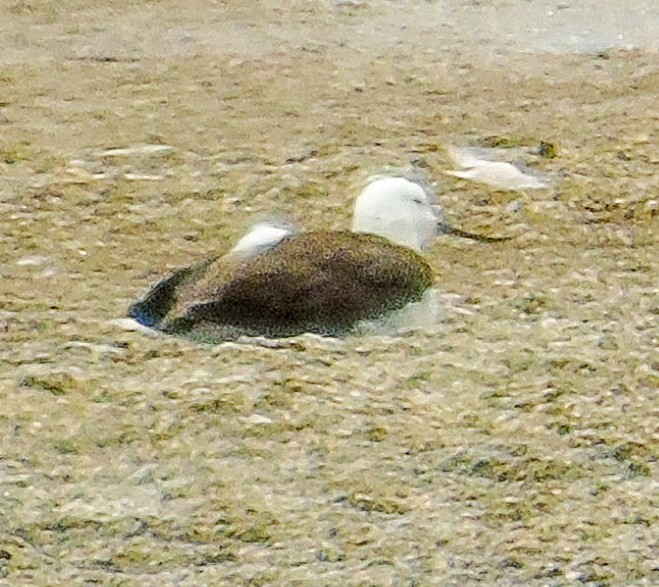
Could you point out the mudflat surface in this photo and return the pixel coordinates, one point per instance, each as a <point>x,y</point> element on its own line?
<point>514,444</point>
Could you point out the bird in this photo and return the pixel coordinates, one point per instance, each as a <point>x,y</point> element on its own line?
<point>280,282</point>
<point>500,175</point>
<point>262,236</point>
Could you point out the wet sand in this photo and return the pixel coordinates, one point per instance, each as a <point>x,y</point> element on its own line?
<point>514,445</point>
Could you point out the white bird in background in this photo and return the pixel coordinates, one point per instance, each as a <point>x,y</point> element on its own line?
<point>498,174</point>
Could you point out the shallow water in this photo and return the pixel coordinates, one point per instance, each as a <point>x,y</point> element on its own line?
<point>495,27</point>
<point>547,26</point>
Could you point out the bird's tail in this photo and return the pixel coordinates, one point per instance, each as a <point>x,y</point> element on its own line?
<point>153,308</point>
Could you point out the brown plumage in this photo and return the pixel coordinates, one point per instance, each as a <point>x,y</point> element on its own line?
<point>323,282</point>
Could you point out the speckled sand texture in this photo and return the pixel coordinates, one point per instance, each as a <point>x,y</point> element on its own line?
<point>516,446</point>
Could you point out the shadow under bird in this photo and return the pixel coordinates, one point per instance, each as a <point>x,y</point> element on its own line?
<point>279,283</point>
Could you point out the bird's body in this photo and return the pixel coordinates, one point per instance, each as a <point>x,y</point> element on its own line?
<point>500,175</point>
<point>477,166</point>
<point>324,282</point>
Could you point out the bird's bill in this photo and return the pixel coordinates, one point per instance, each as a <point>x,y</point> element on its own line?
<point>445,228</point>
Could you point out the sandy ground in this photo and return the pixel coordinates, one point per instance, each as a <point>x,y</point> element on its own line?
<point>515,445</point>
